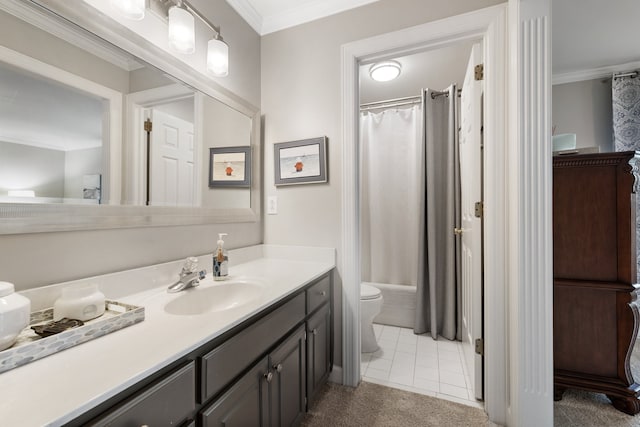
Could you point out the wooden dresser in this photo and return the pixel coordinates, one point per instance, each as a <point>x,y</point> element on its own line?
<point>594,275</point>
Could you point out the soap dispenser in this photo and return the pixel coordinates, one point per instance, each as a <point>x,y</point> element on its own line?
<point>220,260</point>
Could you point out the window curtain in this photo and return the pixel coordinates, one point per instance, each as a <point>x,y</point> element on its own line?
<point>626,127</point>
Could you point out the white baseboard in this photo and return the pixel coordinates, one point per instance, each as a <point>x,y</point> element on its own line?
<point>336,375</point>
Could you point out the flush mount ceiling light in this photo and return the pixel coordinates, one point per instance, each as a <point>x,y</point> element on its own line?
<point>385,71</point>
<point>181,27</point>
<point>130,9</point>
<point>182,30</point>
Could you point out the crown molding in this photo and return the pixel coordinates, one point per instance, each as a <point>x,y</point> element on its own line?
<point>594,73</point>
<point>249,13</point>
<point>44,21</point>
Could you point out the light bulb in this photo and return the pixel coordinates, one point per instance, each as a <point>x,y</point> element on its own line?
<point>182,33</point>
<point>218,57</point>
<point>130,9</point>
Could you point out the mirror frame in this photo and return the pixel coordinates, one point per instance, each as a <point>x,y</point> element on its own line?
<point>80,23</point>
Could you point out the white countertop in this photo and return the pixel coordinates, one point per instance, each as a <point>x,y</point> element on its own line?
<point>60,387</point>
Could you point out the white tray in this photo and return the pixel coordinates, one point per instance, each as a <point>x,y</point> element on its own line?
<point>30,346</point>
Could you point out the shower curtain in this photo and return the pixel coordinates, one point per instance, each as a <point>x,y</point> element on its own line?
<point>626,127</point>
<point>438,291</point>
<point>390,172</point>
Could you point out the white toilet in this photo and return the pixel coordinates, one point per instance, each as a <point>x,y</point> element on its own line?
<point>370,305</point>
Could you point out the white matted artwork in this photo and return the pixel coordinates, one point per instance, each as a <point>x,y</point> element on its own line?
<point>230,167</point>
<point>301,162</point>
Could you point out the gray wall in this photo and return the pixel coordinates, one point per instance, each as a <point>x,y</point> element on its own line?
<point>301,98</point>
<point>584,108</point>
<point>34,168</point>
<point>32,260</point>
<point>224,127</point>
<point>78,163</point>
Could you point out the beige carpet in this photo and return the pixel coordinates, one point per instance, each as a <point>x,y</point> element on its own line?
<point>583,409</point>
<point>377,406</point>
<point>373,405</point>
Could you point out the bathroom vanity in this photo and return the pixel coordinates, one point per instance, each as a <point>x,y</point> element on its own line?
<point>260,362</point>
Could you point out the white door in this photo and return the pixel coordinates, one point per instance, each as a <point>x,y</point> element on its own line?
<point>171,178</point>
<point>471,193</point>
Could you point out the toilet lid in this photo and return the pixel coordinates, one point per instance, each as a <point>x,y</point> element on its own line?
<point>368,291</point>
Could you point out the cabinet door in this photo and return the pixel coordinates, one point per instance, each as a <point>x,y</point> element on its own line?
<point>245,404</point>
<point>165,403</point>
<point>318,350</point>
<point>287,388</point>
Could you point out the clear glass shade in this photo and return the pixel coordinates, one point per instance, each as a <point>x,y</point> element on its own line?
<point>182,30</point>
<point>218,57</point>
<point>131,9</point>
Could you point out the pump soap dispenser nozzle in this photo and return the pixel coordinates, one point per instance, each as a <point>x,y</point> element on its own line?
<point>220,260</point>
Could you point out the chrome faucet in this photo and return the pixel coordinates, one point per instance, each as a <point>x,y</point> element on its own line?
<point>189,276</point>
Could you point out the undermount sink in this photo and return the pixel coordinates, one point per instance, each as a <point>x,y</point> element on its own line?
<point>219,296</point>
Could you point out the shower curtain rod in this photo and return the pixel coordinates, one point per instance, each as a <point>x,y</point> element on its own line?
<point>397,102</point>
<point>631,74</point>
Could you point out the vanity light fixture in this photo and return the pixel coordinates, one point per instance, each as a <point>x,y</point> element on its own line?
<point>130,9</point>
<point>181,20</point>
<point>385,71</point>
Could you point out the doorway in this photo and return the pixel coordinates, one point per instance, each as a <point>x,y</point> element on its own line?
<point>489,25</point>
<point>440,294</point>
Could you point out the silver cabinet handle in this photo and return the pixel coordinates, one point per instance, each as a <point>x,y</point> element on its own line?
<point>323,293</point>
<point>268,376</point>
<point>278,367</point>
<point>315,332</point>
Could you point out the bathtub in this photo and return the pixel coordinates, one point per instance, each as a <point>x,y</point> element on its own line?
<point>398,306</point>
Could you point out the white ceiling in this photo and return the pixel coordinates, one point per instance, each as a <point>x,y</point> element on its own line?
<point>590,37</point>
<point>268,16</point>
<point>433,69</point>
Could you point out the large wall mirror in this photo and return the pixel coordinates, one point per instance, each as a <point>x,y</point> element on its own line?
<point>92,132</point>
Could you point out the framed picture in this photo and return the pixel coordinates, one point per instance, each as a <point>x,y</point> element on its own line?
<point>301,162</point>
<point>230,167</point>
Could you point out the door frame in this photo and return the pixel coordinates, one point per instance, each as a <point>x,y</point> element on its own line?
<point>490,26</point>
<point>136,106</point>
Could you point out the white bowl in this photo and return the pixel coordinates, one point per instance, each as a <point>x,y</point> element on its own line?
<point>15,312</point>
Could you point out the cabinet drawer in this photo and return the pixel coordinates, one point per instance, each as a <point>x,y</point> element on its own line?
<point>318,294</point>
<point>165,403</point>
<point>227,361</point>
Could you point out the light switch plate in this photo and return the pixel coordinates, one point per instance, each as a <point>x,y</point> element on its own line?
<point>272,205</point>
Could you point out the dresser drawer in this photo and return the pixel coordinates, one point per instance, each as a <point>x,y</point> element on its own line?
<point>224,363</point>
<point>166,402</point>
<point>318,294</point>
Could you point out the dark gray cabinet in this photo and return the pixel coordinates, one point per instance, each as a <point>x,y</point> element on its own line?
<point>287,387</point>
<point>272,393</point>
<point>167,402</point>
<point>263,372</point>
<point>246,403</point>
<point>318,351</point>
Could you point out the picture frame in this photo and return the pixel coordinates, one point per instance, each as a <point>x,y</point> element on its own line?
<point>230,167</point>
<point>301,162</point>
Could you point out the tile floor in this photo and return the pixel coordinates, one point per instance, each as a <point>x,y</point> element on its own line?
<point>419,364</point>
